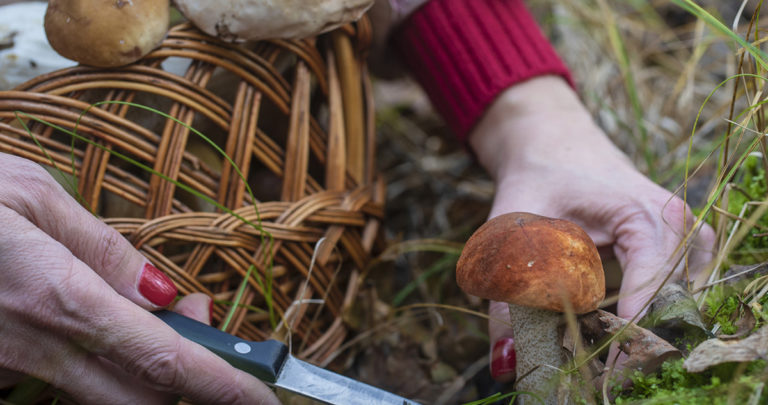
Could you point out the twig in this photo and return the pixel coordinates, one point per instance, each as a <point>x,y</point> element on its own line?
<point>737,217</point>
<point>732,276</point>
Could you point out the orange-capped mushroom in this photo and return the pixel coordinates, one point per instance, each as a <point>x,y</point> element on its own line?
<point>530,260</point>
<point>541,267</point>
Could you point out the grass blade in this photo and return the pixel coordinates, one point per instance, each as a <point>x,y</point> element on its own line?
<point>238,297</point>
<point>704,15</point>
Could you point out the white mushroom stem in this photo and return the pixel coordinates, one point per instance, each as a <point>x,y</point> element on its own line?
<point>537,343</point>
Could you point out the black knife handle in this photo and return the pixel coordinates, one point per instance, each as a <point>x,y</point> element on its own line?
<point>261,359</point>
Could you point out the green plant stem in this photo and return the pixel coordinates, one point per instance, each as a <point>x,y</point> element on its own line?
<point>238,297</point>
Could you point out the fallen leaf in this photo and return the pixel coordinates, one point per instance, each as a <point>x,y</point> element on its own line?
<point>744,321</point>
<point>645,350</point>
<point>674,316</point>
<point>717,351</point>
<point>581,350</point>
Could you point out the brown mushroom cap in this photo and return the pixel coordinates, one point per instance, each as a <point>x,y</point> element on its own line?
<point>106,33</point>
<point>530,260</point>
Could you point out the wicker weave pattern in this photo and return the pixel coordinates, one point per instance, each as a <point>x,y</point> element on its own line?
<point>294,116</point>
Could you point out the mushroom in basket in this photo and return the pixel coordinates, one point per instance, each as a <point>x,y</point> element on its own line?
<point>106,33</point>
<point>233,20</point>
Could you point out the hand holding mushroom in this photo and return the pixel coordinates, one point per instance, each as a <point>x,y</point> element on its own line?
<point>548,157</point>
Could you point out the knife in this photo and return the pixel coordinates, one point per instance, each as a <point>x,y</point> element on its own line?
<point>270,362</point>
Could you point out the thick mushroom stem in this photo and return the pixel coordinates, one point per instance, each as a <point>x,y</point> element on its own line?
<point>537,345</point>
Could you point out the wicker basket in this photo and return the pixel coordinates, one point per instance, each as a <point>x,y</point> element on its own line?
<point>296,118</point>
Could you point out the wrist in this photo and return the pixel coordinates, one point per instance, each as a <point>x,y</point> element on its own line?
<point>537,96</point>
<point>538,124</point>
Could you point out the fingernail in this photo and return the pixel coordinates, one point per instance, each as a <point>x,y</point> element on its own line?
<point>503,360</point>
<point>155,286</point>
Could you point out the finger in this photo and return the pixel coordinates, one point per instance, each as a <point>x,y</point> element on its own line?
<point>197,306</point>
<point>503,356</point>
<point>702,253</point>
<point>32,193</point>
<point>90,379</point>
<point>80,305</point>
<point>680,221</point>
<point>64,365</point>
<point>146,348</point>
<point>648,249</point>
<point>170,363</point>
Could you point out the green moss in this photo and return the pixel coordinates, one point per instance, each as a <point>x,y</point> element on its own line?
<point>727,383</point>
<point>721,305</point>
<point>750,186</point>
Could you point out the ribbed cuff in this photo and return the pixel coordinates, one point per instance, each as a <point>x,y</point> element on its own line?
<point>464,53</point>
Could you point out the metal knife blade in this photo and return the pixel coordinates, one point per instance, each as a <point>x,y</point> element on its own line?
<point>328,387</point>
<point>270,362</point>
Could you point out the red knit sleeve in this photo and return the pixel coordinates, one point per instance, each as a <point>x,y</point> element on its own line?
<point>464,53</point>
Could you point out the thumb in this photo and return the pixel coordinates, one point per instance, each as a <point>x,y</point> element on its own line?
<point>34,194</point>
<point>503,356</point>
<point>197,306</point>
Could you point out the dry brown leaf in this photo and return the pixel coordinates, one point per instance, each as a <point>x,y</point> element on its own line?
<point>744,320</point>
<point>718,351</point>
<point>645,350</point>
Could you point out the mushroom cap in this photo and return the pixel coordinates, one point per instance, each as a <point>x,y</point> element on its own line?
<point>106,33</point>
<point>534,261</point>
<point>233,20</point>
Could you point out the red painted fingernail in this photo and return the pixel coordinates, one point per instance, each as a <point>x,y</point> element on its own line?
<point>155,286</point>
<point>503,360</point>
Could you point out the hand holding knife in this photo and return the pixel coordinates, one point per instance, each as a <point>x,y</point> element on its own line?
<point>270,362</point>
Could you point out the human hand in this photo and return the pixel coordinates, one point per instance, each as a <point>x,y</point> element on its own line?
<point>548,157</point>
<point>74,302</point>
